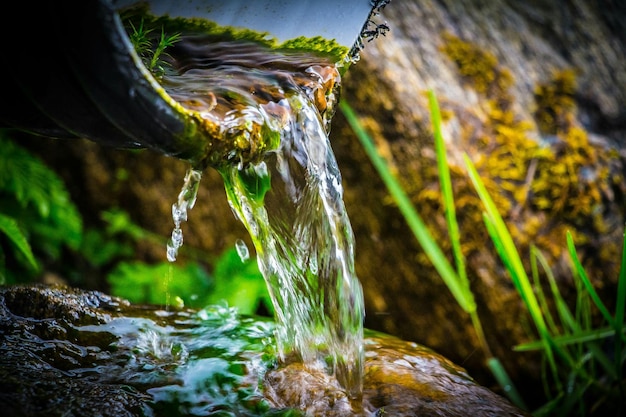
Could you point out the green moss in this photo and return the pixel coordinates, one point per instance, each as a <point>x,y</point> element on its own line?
<point>479,67</point>
<point>543,188</point>
<point>555,102</point>
<point>573,178</point>
<point>318,46</point>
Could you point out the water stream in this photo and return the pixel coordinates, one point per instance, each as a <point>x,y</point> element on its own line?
<point>289,197</point>
<point>304,246</point>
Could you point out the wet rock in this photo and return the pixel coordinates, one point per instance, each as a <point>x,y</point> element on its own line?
<point>132,360</point>
<point>401,379</point>
<point>67,303</point>
<point>307,388</point>
<point>40,361</point>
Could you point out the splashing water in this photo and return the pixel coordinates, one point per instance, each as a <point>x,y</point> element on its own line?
<point>304,244</point>
<point>288,194</point>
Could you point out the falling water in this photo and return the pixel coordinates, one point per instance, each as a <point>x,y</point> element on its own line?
<point>304,245</point>
<point>185,202</point>
<point>289,197</point>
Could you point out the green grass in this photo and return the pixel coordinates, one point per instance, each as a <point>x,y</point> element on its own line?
<point>151,49</point>
<point>580,376</point>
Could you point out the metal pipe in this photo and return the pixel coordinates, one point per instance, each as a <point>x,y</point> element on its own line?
<point>70,70</point>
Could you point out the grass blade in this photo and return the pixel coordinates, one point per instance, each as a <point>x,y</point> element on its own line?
<point>505,382</point>
<point>582,274</point>
<point>570,339</point>
<point>536,256</point>
<point>565,315</point>
<point>446,190</point>
<point>620,306</point>
<point>509,253</point>
<point>510,257</point>
<point>414,221</point>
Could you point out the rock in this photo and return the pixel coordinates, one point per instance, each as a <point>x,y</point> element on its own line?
<point>130,360</point>
<point>487,63</point>
<point>40,360</point>
<point>408,379</point>
<point>401,379</point>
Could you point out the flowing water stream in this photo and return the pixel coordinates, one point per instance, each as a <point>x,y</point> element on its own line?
<point>289,197</point>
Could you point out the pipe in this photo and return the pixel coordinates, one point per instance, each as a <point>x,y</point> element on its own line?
<point>70,70</point>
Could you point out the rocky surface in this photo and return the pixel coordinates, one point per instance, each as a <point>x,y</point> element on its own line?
<point>68,352</point>
<point>487,62</point>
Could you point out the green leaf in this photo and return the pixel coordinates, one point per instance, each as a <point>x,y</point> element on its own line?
<point>239,284</point>
<point>10,228</point>
<point>99,248</point>
<point>160,284</point>
<point>36,197</point>
<point>119,222</point>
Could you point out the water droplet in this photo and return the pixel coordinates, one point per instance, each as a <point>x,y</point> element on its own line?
<point>186,200</point>
<point>177,237</point>
<point>172,252</point>
<point>178,215</point>
<point>242,250</point>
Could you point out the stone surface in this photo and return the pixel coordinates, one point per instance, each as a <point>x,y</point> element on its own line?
<point>401,379</point>
<point>37,356</point>
<point>388,88</point>
<point>69,352</point>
